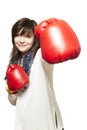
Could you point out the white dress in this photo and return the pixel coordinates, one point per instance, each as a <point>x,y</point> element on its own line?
<point>36,107</point>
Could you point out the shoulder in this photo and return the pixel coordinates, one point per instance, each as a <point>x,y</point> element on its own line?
<point>38,52</point>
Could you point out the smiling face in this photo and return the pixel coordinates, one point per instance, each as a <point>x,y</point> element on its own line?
<point>23,38</point>
<point>24,43</point>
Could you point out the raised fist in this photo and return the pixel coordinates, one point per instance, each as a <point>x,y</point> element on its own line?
<point>58,40</point>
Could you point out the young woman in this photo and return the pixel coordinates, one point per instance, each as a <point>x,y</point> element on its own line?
<point>36,106</point>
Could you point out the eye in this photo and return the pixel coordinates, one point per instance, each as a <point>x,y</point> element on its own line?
<point>29,36</point>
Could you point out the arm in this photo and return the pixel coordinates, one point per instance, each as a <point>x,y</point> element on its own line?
<point>48,69</point>
<point>16,79</point>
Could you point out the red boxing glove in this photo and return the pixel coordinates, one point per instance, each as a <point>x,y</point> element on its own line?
<point>58,40</point>
<point>17,78</point>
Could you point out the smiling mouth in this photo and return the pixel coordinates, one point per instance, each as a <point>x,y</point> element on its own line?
<point>21,45</point>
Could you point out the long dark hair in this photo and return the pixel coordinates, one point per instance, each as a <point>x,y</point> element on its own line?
<point>23,26</point>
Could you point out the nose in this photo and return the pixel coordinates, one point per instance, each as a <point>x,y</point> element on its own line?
<point>22,39</point>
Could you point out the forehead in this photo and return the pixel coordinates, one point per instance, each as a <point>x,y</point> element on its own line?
<point>25,31</point>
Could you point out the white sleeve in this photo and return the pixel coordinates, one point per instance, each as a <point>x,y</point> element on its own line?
<point>48,69</point>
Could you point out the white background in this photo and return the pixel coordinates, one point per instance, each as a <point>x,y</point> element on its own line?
<point>70,78</point>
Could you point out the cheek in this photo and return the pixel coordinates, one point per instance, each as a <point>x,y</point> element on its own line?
<point>31,42</point>
<point>16,45</point>
<point>15,40</point>
<point>30,45</point>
